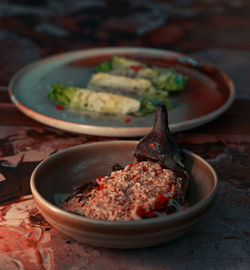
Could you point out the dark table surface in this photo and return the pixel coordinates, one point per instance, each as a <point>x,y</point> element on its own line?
<point>217,32</point>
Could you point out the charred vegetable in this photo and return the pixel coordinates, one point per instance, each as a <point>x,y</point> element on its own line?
<point>154,185</point>
<point>160,145</point>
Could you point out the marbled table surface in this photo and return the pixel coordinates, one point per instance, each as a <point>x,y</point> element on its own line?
<point>213,31</point>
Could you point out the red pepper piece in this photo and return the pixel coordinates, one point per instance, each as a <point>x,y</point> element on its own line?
<point>102,186</point>
<point>59,107</point>
<point>136,68</point>
<point>99,178</point>
<point>151,145</point>
<point>160,203</point>
<point>127,120</point>
<point>141,212</point>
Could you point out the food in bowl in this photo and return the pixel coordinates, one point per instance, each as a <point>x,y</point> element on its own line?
<point>154,184</point>
<point>140,190</point>
<point>121,86</point>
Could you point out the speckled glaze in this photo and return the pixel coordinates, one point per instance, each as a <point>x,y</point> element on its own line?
<point>56,177</point>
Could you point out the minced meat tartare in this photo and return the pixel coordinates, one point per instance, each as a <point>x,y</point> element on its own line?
<point>140,190</point>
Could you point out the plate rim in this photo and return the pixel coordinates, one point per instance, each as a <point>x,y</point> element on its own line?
<point>110,131</point>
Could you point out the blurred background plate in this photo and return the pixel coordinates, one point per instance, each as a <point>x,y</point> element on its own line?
<point>208,93</point>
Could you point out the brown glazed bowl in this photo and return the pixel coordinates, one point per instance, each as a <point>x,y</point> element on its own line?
<point>57,176</point>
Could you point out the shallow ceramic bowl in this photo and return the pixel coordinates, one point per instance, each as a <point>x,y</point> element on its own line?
<point>57,176</point>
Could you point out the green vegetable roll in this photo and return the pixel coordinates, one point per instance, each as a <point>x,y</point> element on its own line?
<point>89,100</point>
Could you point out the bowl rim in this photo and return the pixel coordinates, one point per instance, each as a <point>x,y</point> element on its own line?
<point>192,210</point>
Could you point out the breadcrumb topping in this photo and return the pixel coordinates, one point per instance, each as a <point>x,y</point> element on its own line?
<point>140,190</point>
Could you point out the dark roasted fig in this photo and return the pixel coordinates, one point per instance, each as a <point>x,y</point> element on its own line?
<point>160,145</point>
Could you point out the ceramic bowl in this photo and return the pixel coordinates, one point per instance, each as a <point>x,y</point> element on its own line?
<point>57,176</point>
